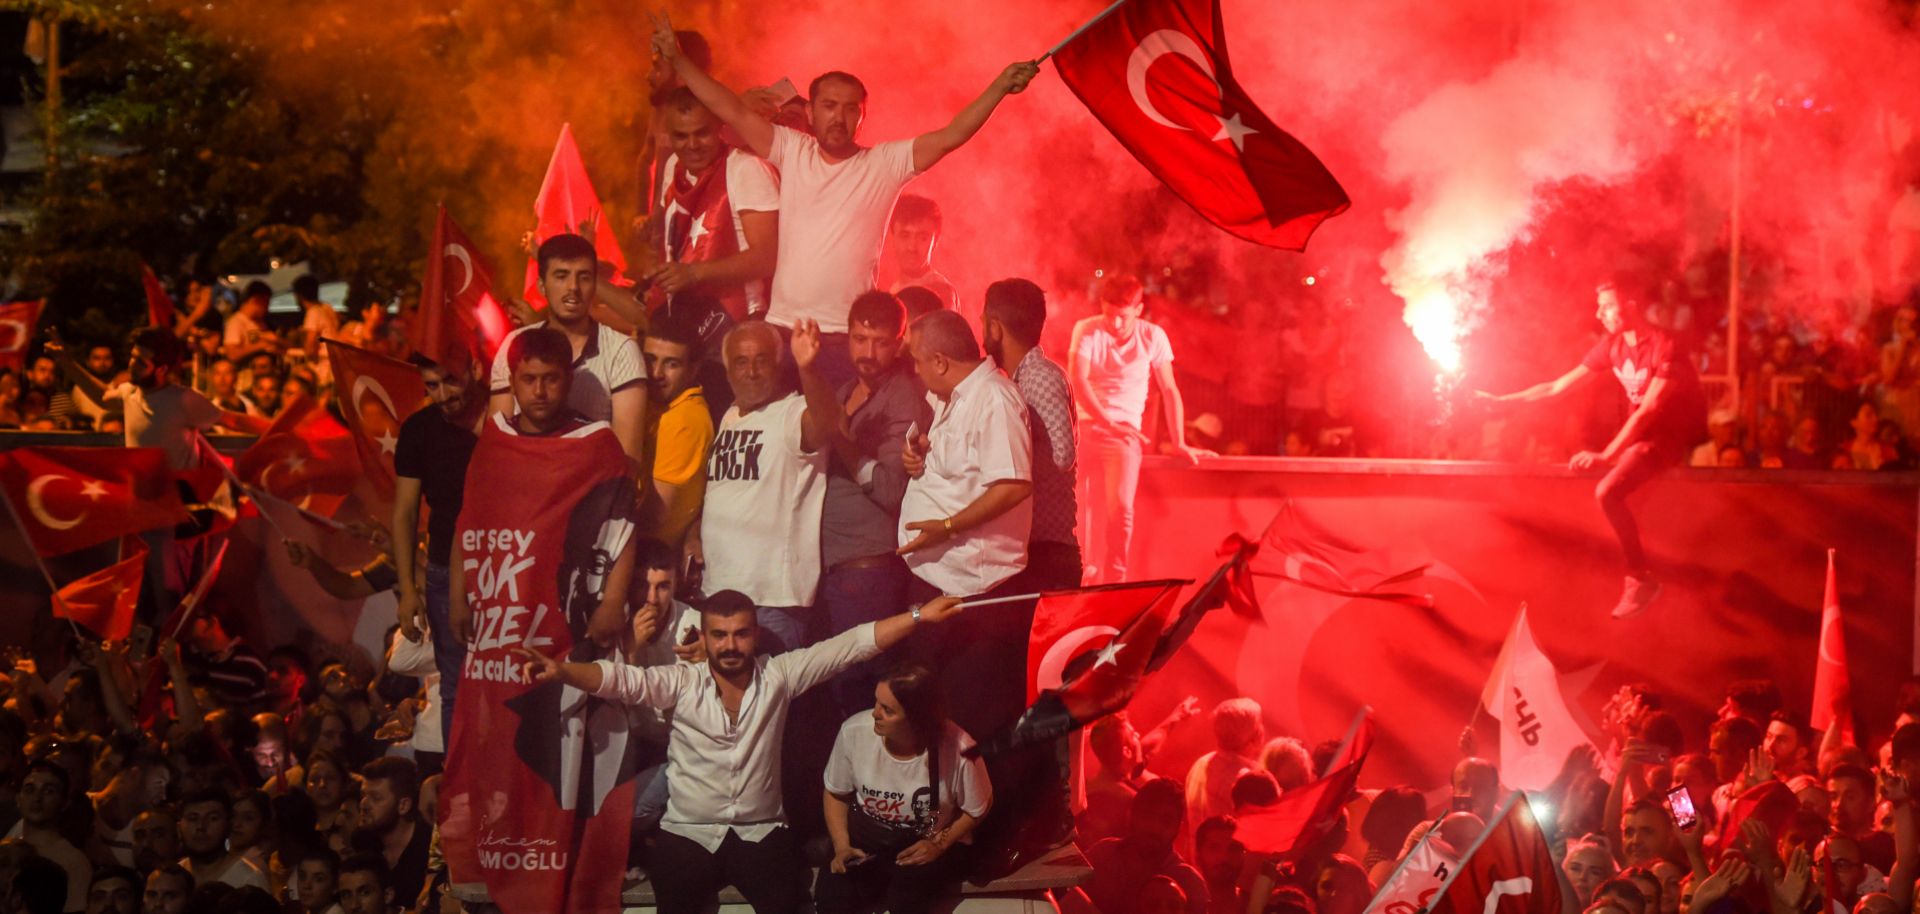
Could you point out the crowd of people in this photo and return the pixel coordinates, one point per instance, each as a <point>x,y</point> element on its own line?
<point>806,461</point>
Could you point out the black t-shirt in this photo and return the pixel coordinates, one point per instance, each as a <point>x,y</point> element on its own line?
<point>436,452</point>
<point>1682,421</point>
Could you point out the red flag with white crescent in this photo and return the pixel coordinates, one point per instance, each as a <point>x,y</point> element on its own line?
<point>460,320</point>
<point>1069,624</point>
<point>305,457</point>
<point>568,203</point>
<point>69,498</point>
<point>1156,73</point>
<point>103,602</point>
<point>1309,813</point>
<point>1832,684</point>
<point>159,303</point>
<point>1509,870</point>
<point>376,395</point>
<point>17,319</point>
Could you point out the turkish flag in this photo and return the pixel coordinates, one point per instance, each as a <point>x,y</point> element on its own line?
<point>1307,814</point>
<point>1156,73</point>
<point>1101,665</point>
<point>17,319</point>
<point>159,303</point>
<point>154,698</point>
<point>1832,687</point>
<point>69,498</point>
<point>1067,623</point>
<point>376,394</point>
<point>1508,870</point>
<point>568,203</point>
<point>1771,802</point>
<point>104,601</point>
<point>304,457</point>
<point>460,321</point>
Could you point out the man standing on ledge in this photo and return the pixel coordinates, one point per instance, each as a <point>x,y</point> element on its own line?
<point>835,195</point>
<point>1668,418</point>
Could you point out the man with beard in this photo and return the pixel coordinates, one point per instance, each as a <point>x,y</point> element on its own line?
<point>430,461</point>
<point>43,798</point>
<point>864,581</point>
<point>1015,314</point>
<point>608,377</point>
<point>719,211</point>
<point>682,435</point>
<point>835,195</point>
<point>725,823</point>
<point>390,823</point>
<point>206,817</point>
<point>156,839</point>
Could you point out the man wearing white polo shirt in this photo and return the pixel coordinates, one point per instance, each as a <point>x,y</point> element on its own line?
<point>609,377</point>
<point>835,195</point>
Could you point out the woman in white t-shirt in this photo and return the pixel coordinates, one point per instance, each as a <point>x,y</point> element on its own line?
<point>901,801</point>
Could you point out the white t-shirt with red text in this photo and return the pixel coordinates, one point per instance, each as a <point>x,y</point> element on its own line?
<point>833,220</point>
<point>895,790</point>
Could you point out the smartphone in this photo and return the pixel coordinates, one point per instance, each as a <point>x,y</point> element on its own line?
<point>1462,804</point>
<point>1680,803</point>
<point>690,636</point>
<point>784,90</point>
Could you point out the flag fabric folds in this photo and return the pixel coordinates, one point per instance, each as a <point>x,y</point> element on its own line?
<point>69,498</point>
<point>1832,685</point>
<point>1523,694</point>
<point>539,788</point>
<point>1414,884</point>
<point>377,394</point>
<point>1508,870</point>
<point>17,320</point>
<point>103,602</point>
<point>460,319</point>
<point>1156,73</point>
<point>159,303</point>
<point>1307,814</point>
<point>305,457</point>
<point>568,203</point>
<point>1068,623</point>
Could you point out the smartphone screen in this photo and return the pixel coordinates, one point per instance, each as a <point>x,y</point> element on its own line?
<point>1680,803</point>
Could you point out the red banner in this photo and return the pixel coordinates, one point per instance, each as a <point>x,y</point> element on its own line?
<point>376,394</point>
<point>539,787</point>
<point>1309,813</point>
<point>69,498</point>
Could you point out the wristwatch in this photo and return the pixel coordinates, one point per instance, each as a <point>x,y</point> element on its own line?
<point>914,611</point>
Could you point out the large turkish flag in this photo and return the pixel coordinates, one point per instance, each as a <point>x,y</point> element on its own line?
<point>1156,73</point>
<point>568,203</point>
<point>460,320</point>
<point>69,498</point>
<point>377,395</point>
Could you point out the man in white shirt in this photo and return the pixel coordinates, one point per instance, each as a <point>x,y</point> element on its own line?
<point>663,631</point>
<point>1111,360</point>
<point>759,530</point>
<point>206,817</point>
<point>725,823</point>
<point>835,195</point>
<point>246,333</point>
<point>44,794</point>
<point>719,212</point>
<point>318,322</point>
<point>609,377</point>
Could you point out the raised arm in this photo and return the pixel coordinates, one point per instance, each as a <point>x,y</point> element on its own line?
<point>83,379</point>
<point>822,424</point>
<point>725,104</point>
<point>930,148</point>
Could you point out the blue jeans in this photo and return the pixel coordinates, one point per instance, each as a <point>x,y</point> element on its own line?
<point>449,654</point>
<point>650,803</point>
<point>855,596</point>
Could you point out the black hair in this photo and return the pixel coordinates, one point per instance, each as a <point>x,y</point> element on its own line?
<point>1213,824</point>
<point>307,288</point>
<point>1906,743</point>
<point>920,301</point>
<point>565,246</point>
<point>1850,771</point>
<point>166,348</point>
<point>1255,788</point>
<point>650,554</point>
<point>1395,812</point>
<point>257,289</point>
<point>208,795</point>
<point>368,862</point>
<point>396,771</point>
<point>115,871</point>
<point>543,343</point>
<point>728,603</point>
<point>915,208</point>
<point>669,327</point>
<point>878,309</point>
<point>1020,305</point>
<point>59,774</point>
<point>813,88</point>
<point>40,885</point>
<point>918,693</point>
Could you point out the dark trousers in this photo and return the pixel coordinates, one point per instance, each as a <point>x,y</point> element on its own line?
<point>897,889</point>
<point>1052,566</point>
<point>769,873</point>
<point>1637,466</point>
<point>449,653</point>
<point>852,597</point>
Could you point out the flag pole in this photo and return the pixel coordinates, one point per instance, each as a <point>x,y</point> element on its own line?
<point>41,563</point>
<point>1083,27</point>
<point>995,601</point>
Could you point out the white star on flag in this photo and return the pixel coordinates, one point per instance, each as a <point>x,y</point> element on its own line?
<point>387,442</point>
<point>93,489</point>
<point>1109,654</point>
<point>293,463</point>
<point>1232,129</point>
<point>698,232</point>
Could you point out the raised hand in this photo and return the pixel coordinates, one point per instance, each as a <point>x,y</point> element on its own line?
<point>805,343</point>
<point>1017,75</point>
<point>666,45</point>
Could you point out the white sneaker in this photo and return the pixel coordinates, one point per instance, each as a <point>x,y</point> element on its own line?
<point>1636,596</point>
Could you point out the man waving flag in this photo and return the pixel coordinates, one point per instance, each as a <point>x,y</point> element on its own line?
<point>1156,73</point>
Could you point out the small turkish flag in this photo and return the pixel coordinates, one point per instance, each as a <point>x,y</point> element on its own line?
<point>1070,623</point>
<point>1832,685</point>
<point>69,498</point>
<point>16,331</point>
<point>377,394</point>
<point>104,601</point>
<point>460,321</point>
<point>1309,813</point>
<point>568,203</point>
<point>159,303</point>
<point>1155,72</point>
<point>304,457</point>
<point>1509,870</point>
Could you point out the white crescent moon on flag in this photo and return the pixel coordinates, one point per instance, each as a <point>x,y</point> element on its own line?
<point>460,253</point>
<point>39,508</point>
<point>1165,41</point>
<point>365,383</point>
<point>1053,664</point>
<point>18,340</point>
<point>1826,634</point>
<point>266,484</point>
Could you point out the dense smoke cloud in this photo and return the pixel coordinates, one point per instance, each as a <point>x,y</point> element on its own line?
<point>1502,156</point>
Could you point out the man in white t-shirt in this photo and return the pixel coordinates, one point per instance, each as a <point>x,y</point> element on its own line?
<point>835,195</point>
<point>719,212</point>
<point>1111,360</point>
<point>759,530</point>
<point>318,322</point>
<point>245,332</point>
<point>45,792</point>
<point>609,378</point>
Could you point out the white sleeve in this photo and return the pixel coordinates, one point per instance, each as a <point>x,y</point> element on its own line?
<point>974,795</point>
<point>751,184</point>
<point>196,409</point>
<point>786,143</point>
<point>896,160</point>
<point>812,665</point>
<point>1161,352</point>
<point>656,687</point>
<point>839,777</point>
<point>1005,448</point>
<point>499,379</point>
<point>625,368</point>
